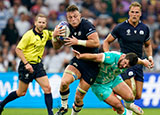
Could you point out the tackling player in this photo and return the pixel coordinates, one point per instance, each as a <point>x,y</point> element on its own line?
<point>109,82</point>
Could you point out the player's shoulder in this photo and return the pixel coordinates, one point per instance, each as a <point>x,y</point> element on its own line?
<point>143,25</point>
<point>29,32</point>
<point>121,25</point>
<point>85,21</point>
<point>46,31</point>
<point>113,52</point>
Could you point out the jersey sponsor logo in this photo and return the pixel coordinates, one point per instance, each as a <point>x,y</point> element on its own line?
<point>90,29</point>
<point>107,56</point>
<point>128,32</point>
<point>26,76</point>
<point>141,32</point>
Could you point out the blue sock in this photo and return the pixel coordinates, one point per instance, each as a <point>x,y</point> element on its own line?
<point>49,103</point>
<point>12,96</point>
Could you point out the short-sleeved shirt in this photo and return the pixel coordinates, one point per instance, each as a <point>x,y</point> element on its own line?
<point>33,44</point>
<point>84,29</point>
<point>109,67</point>
<point>131,39</point>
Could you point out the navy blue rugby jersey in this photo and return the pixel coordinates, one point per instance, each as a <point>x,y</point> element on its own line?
<point>130,38</point>
<point>84,29</point>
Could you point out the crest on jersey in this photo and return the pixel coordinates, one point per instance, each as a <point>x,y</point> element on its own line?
<point>128,32</point>
<point>75,33</point>
<point>141,32</point>
<point>79,33</point>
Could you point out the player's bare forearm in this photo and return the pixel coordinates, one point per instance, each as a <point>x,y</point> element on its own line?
<point>106,44</point>
<point>92,42</point>
<point>20,54</point>
<point>88,56</point>
<point>148,49</point>
<point>144,62</point>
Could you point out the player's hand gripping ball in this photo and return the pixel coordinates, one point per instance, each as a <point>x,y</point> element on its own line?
<point>64,25</point>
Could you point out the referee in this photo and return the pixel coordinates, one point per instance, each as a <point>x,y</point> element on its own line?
<point>30,50</point>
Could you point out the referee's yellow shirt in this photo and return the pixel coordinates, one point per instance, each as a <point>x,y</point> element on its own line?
<point>32,44</point>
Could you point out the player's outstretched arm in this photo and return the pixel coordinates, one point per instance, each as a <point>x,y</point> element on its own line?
<point>144,62</point>
<point>89,56</point>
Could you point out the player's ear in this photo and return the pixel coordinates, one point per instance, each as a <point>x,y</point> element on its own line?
<point>35,23</point>
<point>123,55</point>
<point>141,13</point>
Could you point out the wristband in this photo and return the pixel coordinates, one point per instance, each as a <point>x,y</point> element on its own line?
<point>26,63</point>
<point>82,42</point>
<point>150,57</point>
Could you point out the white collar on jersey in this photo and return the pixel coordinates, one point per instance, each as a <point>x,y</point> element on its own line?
<point>139,21</point>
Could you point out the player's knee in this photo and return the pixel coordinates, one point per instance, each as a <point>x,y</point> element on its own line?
<point>119,107</point>
<point>64,85</point>
<point>47,89</point>
<point>130,97</point>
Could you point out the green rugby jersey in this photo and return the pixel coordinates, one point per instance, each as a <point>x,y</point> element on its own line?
<point>109,67</point>
<point>32,44</point>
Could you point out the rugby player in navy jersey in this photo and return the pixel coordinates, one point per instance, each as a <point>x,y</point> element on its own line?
<point>83,38</point>
<point>132,35</point>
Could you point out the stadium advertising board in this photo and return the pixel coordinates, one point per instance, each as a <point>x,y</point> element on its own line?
<point>35,98</point>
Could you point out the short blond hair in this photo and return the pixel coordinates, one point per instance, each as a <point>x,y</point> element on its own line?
<point>135,4</point>
<point>40,15</point>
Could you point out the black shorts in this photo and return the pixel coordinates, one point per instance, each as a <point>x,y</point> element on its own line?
<point>27,77</point>
<point>135,71</point>
<point>88,69</point>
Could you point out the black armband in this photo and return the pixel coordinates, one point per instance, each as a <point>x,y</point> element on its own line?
<point>26,63</point>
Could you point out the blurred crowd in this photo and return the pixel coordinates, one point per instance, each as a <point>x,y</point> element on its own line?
<point>17,16</point>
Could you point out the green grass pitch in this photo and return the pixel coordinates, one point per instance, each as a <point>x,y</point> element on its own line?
<point>22,111</point>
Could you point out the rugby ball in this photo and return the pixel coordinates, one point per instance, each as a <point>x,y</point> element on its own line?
<point>64,25</point>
